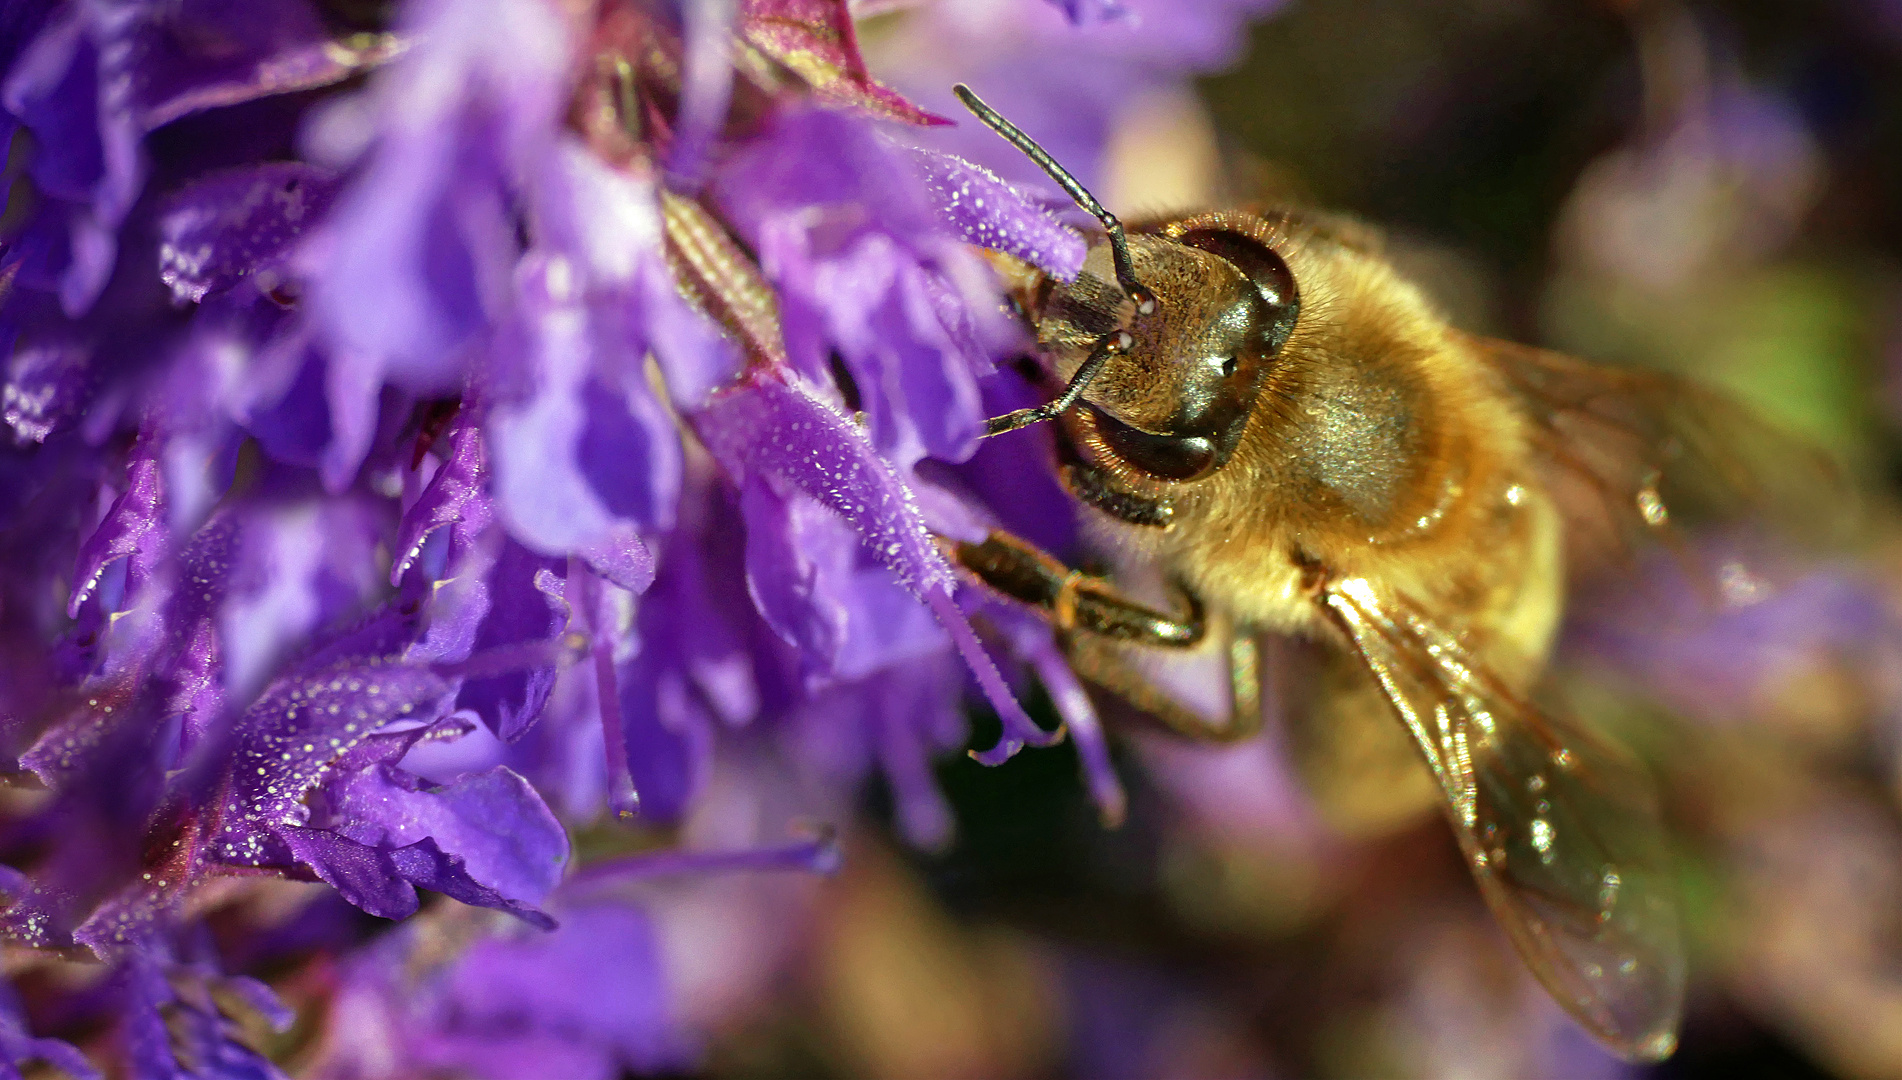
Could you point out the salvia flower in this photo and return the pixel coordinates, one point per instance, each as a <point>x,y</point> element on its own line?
<point>430,442</point>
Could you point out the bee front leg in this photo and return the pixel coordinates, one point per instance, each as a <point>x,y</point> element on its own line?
<point>1098,625</point>
<point>1072,600</point>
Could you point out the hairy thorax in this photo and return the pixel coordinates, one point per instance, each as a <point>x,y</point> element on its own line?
<point>1379,448</point>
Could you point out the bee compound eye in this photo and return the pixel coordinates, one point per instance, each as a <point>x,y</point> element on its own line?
<point>1261,265</point>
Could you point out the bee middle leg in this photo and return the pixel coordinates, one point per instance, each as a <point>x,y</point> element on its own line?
<point>1098,625</point>
<point>1108,665</point>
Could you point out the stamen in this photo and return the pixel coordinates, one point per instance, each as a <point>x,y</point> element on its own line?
<point>1019,729</point>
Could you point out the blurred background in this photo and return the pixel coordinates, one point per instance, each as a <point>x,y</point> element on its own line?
<point>1706,188</point>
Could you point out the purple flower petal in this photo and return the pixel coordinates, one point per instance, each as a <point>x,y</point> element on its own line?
<point>455,496</point>
<point>414,262</point>
<point>365,876</point>
<point>45,390</point>
<point>106,764</point>
<point>876,307</point>
<point>213,53</point>
<point>193,649</point>
<point>668,743</point>
<point>772,429</point>
<point>705,93</point>
<point>692,355</point>
<point>396,628</point>
<point>233,225</point>
<point>594,990</point>
<point>301,566</point>
<point>18,1047</point>
<point>805,575</point>
<point>846,233</point>
<point>74,98</point>
<point>783,577</point>
<point>169,1035</point>
<point>991,213</point>
<point>605,223</point>
<point>294,736</point>
<point>261,999</point>
<point>494,821</point>
<point>98,77</point>
<point>777,430</point>
<point>589,449</point>
<point>519,612</point>
<point>382,881</point>
<point>425,864</point>
<point>693,671</point>
<point>52,87</point>
<point>622,559</point>
<point>133,529</point>
<point>282,400</point>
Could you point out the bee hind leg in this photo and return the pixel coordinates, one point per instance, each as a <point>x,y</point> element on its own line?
<point>1100,627</point>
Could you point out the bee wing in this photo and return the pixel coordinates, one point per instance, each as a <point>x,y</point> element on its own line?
<point>1647,448</point>
<point>1560,828</point>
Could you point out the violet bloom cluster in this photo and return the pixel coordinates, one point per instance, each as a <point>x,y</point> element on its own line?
<point>425,440</point>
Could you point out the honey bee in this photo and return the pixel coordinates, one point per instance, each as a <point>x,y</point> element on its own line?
<point>1258,406</point>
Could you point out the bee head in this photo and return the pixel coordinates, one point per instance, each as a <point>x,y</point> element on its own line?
<point>1166,337</point>
<point>1175,402</point>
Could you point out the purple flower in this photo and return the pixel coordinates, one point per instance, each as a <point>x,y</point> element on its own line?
<point>1062,83</point>
<point>451,448</point>
<point>599,996</point>
<point>21,1049</point>
<point>415,266</point>
<point>238,224</point>
<point>182,1020</point>
<point>97,77</point>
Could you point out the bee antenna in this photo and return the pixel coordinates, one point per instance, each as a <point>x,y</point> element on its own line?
<point>1144,300</point>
